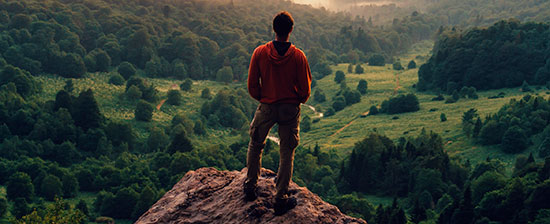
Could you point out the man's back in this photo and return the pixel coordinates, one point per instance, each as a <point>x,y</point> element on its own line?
<point>275,78</point>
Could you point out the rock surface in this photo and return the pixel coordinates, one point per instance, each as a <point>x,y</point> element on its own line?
<point>211,196</point>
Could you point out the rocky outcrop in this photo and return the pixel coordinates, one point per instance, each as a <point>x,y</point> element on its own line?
<point>211,196</point>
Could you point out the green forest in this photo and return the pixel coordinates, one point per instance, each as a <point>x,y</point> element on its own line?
<point>106,104</point>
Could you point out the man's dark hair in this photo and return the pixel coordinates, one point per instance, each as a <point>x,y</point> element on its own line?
<point>282,23</point>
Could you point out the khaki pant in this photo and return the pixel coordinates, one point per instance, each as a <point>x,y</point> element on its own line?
<point>287,116</point>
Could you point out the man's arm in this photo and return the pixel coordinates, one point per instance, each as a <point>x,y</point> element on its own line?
<point>304,80</point>
<point>254,77</point>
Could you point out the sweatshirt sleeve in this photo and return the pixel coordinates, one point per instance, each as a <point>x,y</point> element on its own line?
<point>254,76</point>
<point>304,80</point>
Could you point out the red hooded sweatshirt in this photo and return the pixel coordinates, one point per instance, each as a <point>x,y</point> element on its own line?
<point>279,79</point>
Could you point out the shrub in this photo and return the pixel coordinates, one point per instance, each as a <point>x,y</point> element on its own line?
<point>514,140</point>
<point>133,93</point>
<point>186,85</point>
<point>350,68</point>
<point>339,103</point>
<point>362,86</point>
<point>411,65</point>
<point>174,97</point>
<point>305,125</point>
<point>376,60</point>
<point>401,104</point>
<point>126,69</point>
<point>352,96</point>
<point>144,111</point>
<point>206,94</point>
<point>329,112</point>
<point>359,69</point>
<point>397,66</point>
<point>225,75</point>
<point>319,96</point>
<point>438,98</point>
<point>340,76</point>
<point>373,110</point>
<point>443,117</point>
<point>116,79</point>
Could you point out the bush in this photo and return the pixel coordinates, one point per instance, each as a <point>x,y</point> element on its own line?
<point>373,110</point>
<point>352,96</point>
<point>116,79</point>
<point>376,60</point>
<point>411,65</point>
<point>144,111</point>
<point>186,85</point>
<point>397,66</point>
<point>339,103</point>
<point>514,140</point>
<point>438,98</point>
<point>401,104</point>
<point>362,86</point>
<point>443,117</point>
<point>225,75</point>
<point>340,76</point>
<point>305,125</point>
<point>350,68</point>
<point>126,69</point>
<point>206,94</point>
<point>319,96</point>
<point>133,93</point>
<point>329,112</point>
<point>359,69</point>
<point>51,187</point>
<point>174,97</point>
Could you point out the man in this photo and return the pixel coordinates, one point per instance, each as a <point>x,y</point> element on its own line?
<point>278,77</point>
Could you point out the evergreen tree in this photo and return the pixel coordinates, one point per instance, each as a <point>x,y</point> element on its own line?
<point>86,112</point>
<point>411,65</point>
<point>359,69</point>
<point>477,127</point>
<point>362,86</point>
<point>443,117</point>
<point>465,212</point>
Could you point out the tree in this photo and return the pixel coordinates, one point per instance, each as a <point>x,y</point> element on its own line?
<point>397,66</point>
<point>376,60</point>
<point>340,76</point>
<point>83,207</point>
<point>71,66</point>
<point>70,185</point>
<point>443,117</point>
<point>199,128</point>
<point>157,139</point>
<point>319,96</point>
<point>86,112</point>
<point>180,141</point>
<point>225,75</point>
<point>174,97</point>
<point>20,207</point>
<point>359,69</point>
<point>125,200</point>
<point>206,94</point>
<point>147,197</point>
<point>305,125</point>
<point>116,79</point>
<point>3,206</point>
<point>514,140</point>
<point>411,65</point>
<point>126,69</point>
<point>525,87</point>
<point>186,85</point>
<point>69,86</point>
<point>350,68</point>
<point>19,186</point>
<point>362,86</point>
<point>339,103</point>
<point>51,187</point>
<point>144,111</point>
<point>134,93</point>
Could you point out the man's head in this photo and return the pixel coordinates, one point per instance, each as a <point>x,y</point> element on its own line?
<point>282,24</point>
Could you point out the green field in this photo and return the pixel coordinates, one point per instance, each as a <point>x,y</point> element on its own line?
<point>340,131</point>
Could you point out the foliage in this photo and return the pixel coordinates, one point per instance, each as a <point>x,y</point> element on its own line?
<point>19,186</point>
<point>359,69</point>
<point>376,60</point>
<point>397,66</point>
<point>362,86</point>
<point>116,79</point>
<point>400,104</point>
<point>305,124</point>
<point>174,97</point>
<point>229,109</point>
<point>126,69</point>
<point>340,76</point>
<point>144,111</point>
<point>463,57</point>
<point>319,96</point>
<point>186,85</point>
<point>411,65</point>
<point>443,117</point>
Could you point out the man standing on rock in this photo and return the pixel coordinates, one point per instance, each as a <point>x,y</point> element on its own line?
<point>278,77</point>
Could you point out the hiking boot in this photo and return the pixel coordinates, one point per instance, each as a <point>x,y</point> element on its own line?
<point>283,205</point>
<point>250,192</point>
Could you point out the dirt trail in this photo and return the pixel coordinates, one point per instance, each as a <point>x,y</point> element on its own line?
<point>173,86</point>
<point>397,86</point>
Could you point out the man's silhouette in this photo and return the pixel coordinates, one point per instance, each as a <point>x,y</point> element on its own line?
<point>278,77</point>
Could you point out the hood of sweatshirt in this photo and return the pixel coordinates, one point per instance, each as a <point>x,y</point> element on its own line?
<point>277,59</point>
